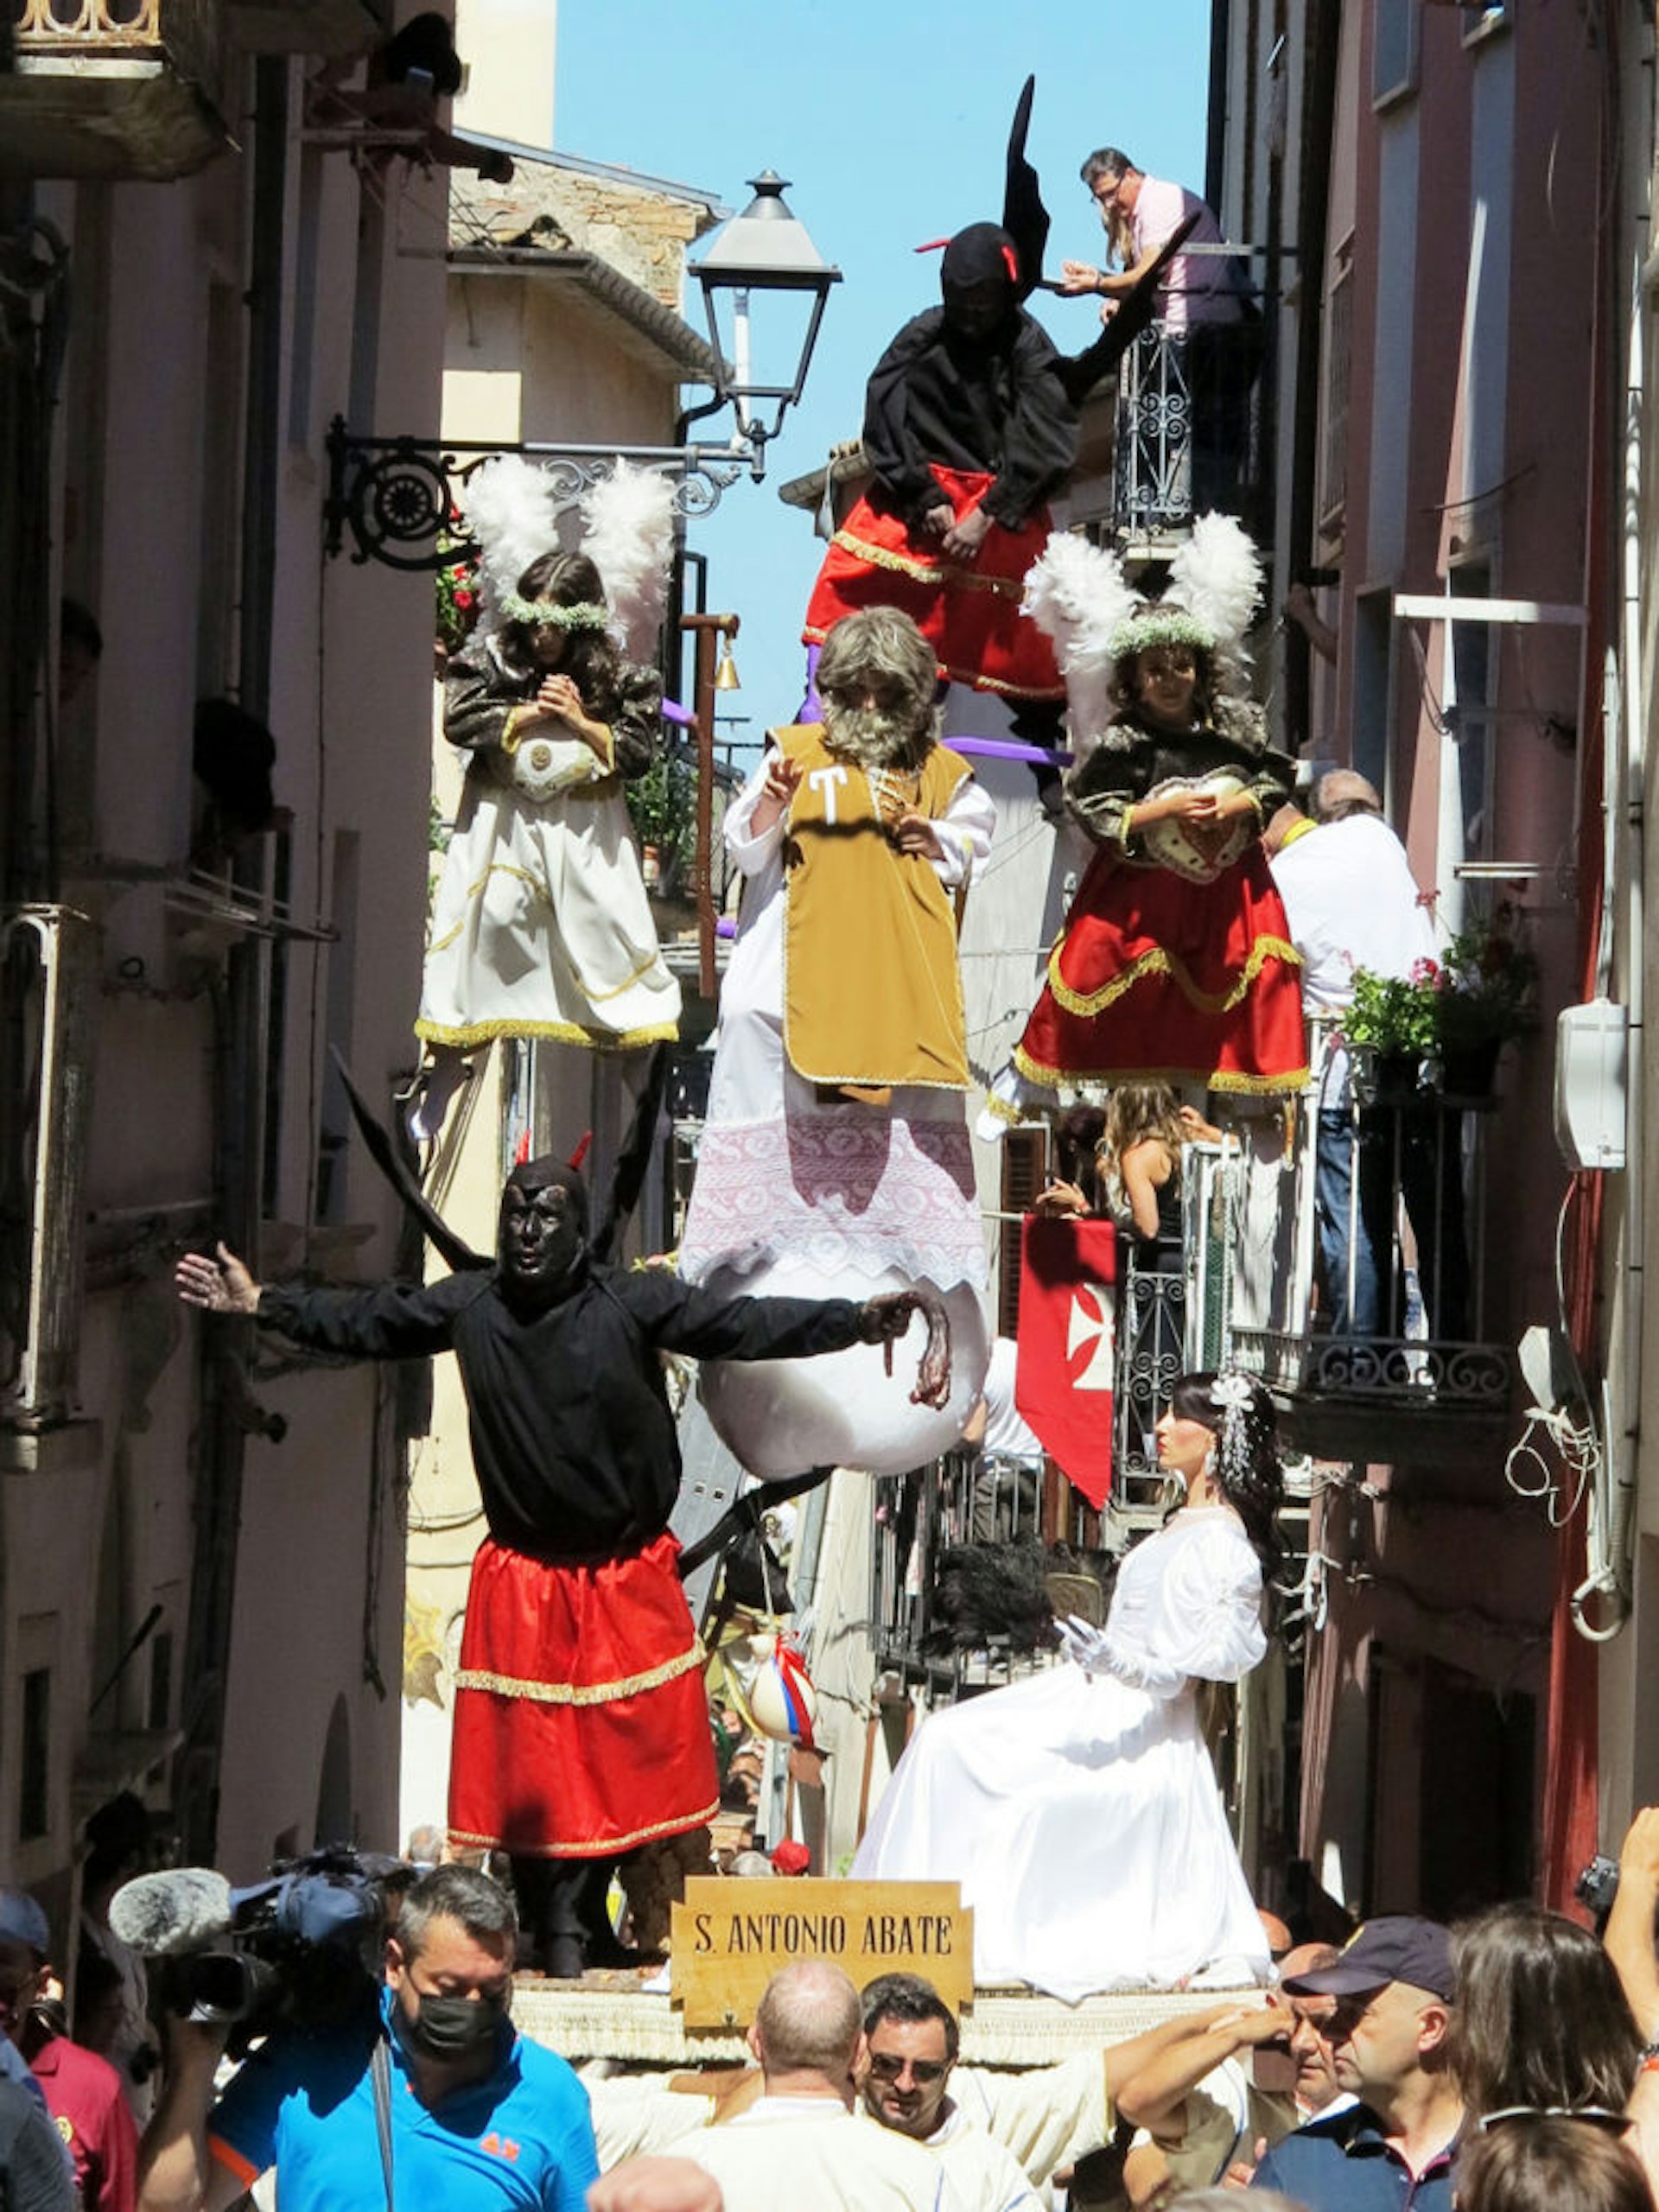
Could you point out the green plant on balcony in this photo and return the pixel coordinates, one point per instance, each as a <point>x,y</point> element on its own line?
<point>1488,986</point>
<point>456,591</point>
<point>1394,1017</point>
<point>1456,1011</point>
<point>663,805</point>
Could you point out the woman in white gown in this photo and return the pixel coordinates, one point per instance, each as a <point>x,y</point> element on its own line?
<point>1078,1810</point>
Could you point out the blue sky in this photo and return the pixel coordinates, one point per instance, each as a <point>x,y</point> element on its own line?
<point>890,121</point>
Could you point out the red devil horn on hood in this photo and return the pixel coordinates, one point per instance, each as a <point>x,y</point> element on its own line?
<point>581,1152</point>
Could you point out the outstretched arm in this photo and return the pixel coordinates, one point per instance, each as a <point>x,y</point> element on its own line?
<point>1629,1940</point>
<point>177,2171</point>
<point>1152,2097</point>
<point>389,1320</point>
<point>221,1285</point>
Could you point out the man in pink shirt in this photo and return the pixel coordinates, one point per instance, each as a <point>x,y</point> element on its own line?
<point>1208,327</point>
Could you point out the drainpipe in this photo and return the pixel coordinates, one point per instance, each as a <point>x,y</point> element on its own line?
<point>242,1006</point>
<point>1622,1514</point>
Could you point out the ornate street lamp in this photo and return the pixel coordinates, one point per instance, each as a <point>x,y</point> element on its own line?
<point>394,497</point>
<point>764,252</point>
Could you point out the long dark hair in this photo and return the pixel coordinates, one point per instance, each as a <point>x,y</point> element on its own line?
<point>1540,2018</point>
<point>590,659</point>
<point>1247,1471</point>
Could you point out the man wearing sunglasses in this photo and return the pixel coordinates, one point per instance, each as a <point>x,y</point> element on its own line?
<point>910,2043</point>
<point>1392,2151</point>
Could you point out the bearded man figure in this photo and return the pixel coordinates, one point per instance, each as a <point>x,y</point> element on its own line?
<point>835,1152</point>
<point>581,1725</point>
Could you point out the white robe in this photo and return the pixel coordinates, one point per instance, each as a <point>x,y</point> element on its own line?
<point>542,927</point>
<point>1079,1812</point>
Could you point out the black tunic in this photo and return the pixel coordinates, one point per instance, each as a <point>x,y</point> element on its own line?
<point>573,1440</point>
<point>998,405</point>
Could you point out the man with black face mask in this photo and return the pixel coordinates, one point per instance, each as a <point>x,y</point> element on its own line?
<point>477,2117</point>
<point>582,1725</point>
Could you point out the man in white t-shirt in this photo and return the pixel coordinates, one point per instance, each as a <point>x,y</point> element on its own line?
<point>800,2142</point>
<point>1352,902</point>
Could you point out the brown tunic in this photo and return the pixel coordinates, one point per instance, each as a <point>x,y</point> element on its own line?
<point>872,991</point>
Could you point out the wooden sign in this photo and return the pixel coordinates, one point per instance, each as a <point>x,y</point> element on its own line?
<point>730,1937</point>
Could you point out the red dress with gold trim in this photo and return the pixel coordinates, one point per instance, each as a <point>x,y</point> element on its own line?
<point>1175,962</point>
<point>969,612</point>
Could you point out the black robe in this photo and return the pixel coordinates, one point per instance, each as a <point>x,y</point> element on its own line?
<point>996,404</point>
<point>573,1440</point>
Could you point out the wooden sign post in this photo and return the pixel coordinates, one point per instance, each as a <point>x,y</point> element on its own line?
<point>730,1937</point>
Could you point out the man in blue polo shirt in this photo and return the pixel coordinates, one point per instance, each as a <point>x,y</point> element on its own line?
<point>481,2121</point>
<point>1392,2151</point>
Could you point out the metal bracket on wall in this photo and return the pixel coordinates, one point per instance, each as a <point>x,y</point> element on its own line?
<point>400,500</point>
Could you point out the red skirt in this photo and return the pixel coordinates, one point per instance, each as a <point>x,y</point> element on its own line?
<point>1156,978</point>
<point>969,612</point>
<point>581,1723</point>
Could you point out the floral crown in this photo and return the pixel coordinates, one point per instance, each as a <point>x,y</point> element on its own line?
<point>1158,626</point>
<point>584,615</point>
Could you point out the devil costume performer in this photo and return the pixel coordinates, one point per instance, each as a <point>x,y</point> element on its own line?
<point>1175,962</point>
<point>964,410</point>
<point>582,1727</point>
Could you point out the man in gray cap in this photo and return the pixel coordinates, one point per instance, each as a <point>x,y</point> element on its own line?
<point>1393,1986</point>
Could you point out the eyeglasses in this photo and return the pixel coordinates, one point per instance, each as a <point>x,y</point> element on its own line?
<point>888,2066</point>
<point>1595,2116</point>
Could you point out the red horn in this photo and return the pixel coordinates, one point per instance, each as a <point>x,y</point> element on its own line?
<point>932,246</point>
<point>581,1152</point>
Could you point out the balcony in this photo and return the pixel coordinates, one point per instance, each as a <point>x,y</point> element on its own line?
<point>1386,1358</point>
<point>1188,437</point>
<point>114,89</point>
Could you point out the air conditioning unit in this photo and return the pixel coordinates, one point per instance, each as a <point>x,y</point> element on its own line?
<point>48,988</point>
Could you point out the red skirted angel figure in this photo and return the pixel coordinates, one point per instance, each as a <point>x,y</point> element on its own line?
<point>1175,962</point>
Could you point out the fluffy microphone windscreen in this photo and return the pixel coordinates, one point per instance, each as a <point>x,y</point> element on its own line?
<point>182,1909</point>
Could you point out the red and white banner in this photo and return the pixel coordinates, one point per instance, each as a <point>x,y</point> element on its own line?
<point>1063,1381</point>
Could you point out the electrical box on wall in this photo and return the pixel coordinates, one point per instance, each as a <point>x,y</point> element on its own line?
<point>1591,1072</point>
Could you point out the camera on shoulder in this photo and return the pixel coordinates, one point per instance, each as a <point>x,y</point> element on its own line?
<point>300,1950</point>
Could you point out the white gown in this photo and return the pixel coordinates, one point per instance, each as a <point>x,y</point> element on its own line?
<point>1079,1812</point>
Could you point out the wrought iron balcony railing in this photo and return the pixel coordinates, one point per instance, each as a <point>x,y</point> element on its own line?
<point>1349,1267</point>
<point>1188,431</point>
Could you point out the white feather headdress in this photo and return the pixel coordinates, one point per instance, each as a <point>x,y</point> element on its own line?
<point>1216,576</point>
<point>629,537</point>
<point>1077,594</point>
<point>508,505</point>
